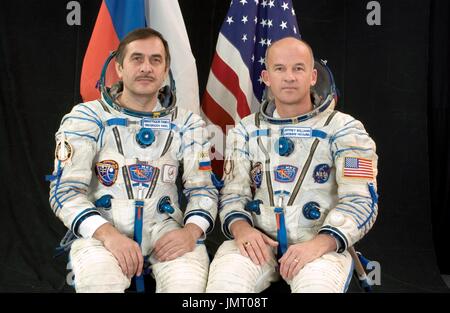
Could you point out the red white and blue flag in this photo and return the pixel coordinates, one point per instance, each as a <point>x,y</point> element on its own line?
<point>358,168</point>
<point>116,19</point>
<point>235,88</point>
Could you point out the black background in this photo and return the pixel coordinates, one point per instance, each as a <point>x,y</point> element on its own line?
<point>393,77</point>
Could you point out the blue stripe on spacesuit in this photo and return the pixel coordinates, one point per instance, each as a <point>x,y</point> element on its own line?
<point>81,135</point>
<point>228,201</point>
<point>353,196</point>
<point>97,120</point>
<point>281,232</point>
<point>117,122</point>
<point>336,153</point>
<point>204,214</point>
<point>61,200</point>
<point>243,151</point>
<point>349,277</point>
<point>74,182</point>
<point>79,118</point>
<point>58,181</point>
<point>137,236</point>
<point>352,121</point>
<point>74,193</point>
<point>364,205</point>
<point>353,214</point>
<point>362,215</point>
<point>345,129</point>
<point>319,133</point>
<point>185,125</point>
<point>260,133</point>
<point>203,195</point>
<point>92,111</point>
<point>80,218</point>
<point>195,127</point>
<point>232,216</point>
<point>360,133</point>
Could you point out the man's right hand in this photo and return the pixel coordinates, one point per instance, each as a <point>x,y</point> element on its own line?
<point>125,250</point>
<point>251,242</point>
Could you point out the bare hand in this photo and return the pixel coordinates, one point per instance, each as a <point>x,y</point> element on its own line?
<point>251,242</point>
<point>177,242</point>
<point>125,250</point>
<point>298,255</point>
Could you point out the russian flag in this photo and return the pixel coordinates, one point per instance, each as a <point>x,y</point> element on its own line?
<point>116,19</point>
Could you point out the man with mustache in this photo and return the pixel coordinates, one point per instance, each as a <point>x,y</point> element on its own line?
<point>114,184</point>
<point>299,184</point>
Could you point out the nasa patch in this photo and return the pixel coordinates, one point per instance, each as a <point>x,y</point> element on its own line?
<point>106,172</point>
<point>141,173</point>
<point>285,173</point>
<point>321,173</point>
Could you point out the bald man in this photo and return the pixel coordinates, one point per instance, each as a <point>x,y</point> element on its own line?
<point>300,185</point>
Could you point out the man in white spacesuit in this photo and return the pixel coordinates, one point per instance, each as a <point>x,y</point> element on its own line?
<point>114,184</point>
<point>299,184</point>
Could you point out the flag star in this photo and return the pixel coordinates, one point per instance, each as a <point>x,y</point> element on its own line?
<point>261,60</point>
<point>254,38</point>
<point>243,2</point>
<point>283,25</point>
<point>256,20</point>
<point>293,12</point>
<point>269,42</point>
<point>295,30</point>
<point>263,22</point>
<point>244,38</point>
<point>256,2</point>
<point>285,6</point>
<point>230,20</point>
<point>260,80</point>
<point>264,3</point>
<point>271,3</point>
<point>244,19</point>
<point>269,23</point>
<point>253,58</point>
<point>262,42</point>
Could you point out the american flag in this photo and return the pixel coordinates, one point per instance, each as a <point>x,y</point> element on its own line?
<point>235,89</point>
<point>358,167</point>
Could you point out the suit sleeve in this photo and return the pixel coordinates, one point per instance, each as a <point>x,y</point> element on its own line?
<point>76,146</point>
<point>355,159</point>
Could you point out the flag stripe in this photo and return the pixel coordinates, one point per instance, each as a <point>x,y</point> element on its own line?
<point>216,113</point>
<point>103,41</point>
<point>230,80</point>
<point>225,96</point>
<point>126,15</point>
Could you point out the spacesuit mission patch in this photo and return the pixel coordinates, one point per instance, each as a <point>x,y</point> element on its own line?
<point>285,173</point>
<point>256,174</point>
<point>63,151</point>
<point>106,172</point>
<point>321,173</point>
<point>141,173</point>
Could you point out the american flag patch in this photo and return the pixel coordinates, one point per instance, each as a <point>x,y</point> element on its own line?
<point>358,167</point>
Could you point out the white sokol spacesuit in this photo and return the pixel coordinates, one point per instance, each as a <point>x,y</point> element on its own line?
<point>121,166</point>
<point>292,179</point>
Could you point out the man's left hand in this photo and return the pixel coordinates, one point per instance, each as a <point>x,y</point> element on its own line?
<point>177,242</point>
<point>298,255</point>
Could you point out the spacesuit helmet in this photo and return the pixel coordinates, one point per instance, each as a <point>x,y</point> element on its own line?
<point>323,96</point>
<point>110,88</point>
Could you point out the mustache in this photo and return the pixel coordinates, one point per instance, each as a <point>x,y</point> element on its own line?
<point>150,77</point>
